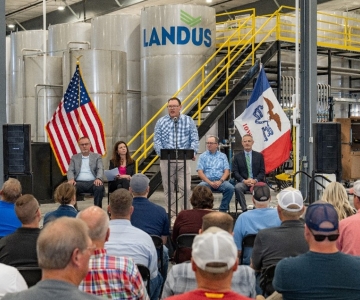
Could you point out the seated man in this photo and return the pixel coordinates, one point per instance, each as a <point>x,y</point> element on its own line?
<point>19,248</point>
<point>254,220</point>
<point>273,244</point>
<point>158,224</point>
<point>127,240</point>
<point>323,272</point>
<point>10,192</point>
<point>213,169</point>
<point>11,280</point>
<point>181,277</point>
<point>64,249</point>
<point>248,169</point>
<point>123,280</point>
<point>86,171</point>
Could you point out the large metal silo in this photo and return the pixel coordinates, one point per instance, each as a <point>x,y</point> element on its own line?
<point>122,32</point>
<point>8,55</point>
<point>69,35</point>
<point>40,102</point>
<point>172,50</point>
<point>23,44</point>
<point>104,74</point>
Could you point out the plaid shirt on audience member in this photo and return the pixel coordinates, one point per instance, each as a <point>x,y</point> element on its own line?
<point>113,277</point>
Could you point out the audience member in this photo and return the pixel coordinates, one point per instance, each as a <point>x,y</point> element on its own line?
<point>64,249</point>
<point>158,224</point>
<point>254,220</point>
<point>65,194</point>
<point>336,195</point>
<point>19,248</point>
<point>273,244</point>
<point>109,276</point>
<point>10,192</point>
<point>11,280</point>
<point>213,169</point>
<point>349,239</point>
<point>248,169</point>
<point>190,221</point>
<point>122,160</point>
<point>127,240</point>
<point>86,171</point>
<point>214,260</point>
<point>181,277</point>
<point>323,272</point>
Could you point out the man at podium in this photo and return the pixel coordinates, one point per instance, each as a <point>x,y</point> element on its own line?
<point>175,131</point>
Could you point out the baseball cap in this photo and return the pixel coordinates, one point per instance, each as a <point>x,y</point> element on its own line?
<point>321,212</point>
<point>356,188</point>
<point>288,197</point>
<point>261,192</point>
<point>139,183</point>
<point>214,245</point>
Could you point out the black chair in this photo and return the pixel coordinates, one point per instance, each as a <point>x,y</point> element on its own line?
<point>158,242</point>
<point>145,274</point>
<point>266,279</point>
<point>247,242</point>
<point>184,241</point>
<point>32,275</point>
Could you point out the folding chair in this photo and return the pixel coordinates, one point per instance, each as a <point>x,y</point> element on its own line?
<point>145,274</point>
<point>158,242</point>
<point>184,241</point>
<point>32,275</point>
<point>247,242</point>
<point>266,279</point>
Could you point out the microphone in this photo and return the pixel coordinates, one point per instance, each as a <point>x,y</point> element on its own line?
<point>175,120</point>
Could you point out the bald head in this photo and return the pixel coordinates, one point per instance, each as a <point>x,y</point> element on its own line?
<point>218,219</point>
<point>98,222</point>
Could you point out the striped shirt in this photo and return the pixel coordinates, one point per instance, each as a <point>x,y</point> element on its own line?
<point>113,277</point>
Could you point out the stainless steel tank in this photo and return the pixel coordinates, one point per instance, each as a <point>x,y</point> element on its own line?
<point>23,44</point>
<point>8,54</point>
<point>121,32</point>
<point>69,35</point>
<point>41,102</point>
<point>104,74</point>
<point>176,40</point>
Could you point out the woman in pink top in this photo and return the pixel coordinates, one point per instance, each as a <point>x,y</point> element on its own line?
<point>122,160</point>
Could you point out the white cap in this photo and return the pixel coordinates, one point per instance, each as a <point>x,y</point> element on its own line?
<point>357,188</point>
<point>214,245</point>
<point>288,197</point>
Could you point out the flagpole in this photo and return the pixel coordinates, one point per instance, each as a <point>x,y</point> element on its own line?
<point>296,109</point>
<point>79,95</point>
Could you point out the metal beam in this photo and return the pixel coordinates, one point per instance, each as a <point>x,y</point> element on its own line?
<point>2,86</point>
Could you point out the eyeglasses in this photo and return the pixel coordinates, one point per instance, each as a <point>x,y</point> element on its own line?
<point>321,237</point>
<point>173,106</point>
<point>210,143</point>
<point>86,144</point>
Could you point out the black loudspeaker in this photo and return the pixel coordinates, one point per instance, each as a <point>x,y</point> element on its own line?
<point>327,148</point>
<point>16,141</point>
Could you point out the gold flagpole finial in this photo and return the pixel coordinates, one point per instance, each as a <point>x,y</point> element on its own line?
<point>78,59</point>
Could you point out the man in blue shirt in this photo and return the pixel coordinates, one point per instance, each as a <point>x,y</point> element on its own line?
<point>213,169</point>
<point>175,131</point>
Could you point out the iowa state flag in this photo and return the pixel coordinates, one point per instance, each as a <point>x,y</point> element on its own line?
<point>265,120</point>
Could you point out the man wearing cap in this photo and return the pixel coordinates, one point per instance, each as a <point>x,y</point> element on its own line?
<point>181,277</point>
<point>323,272</point>
<point>214,260</point>
<point>348,241</point>
<point>254,220</point>
<point>273,244</point>
<point>158,224</point>
<point>213,169</point>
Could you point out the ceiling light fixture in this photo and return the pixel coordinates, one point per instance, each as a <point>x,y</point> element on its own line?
<point>61,7</point>
<point>11,26</point>
<point>208,1</point>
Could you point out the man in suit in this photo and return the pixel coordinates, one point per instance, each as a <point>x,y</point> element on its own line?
<point>248,169</point>
<point>86,171</point>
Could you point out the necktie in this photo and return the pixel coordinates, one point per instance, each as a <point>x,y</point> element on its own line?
<point>248,164</point>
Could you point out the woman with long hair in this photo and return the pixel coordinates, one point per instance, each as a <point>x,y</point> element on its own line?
<point>336,195</point>
<point>122,160</point>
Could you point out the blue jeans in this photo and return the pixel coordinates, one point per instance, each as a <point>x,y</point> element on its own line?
<point>155,287</point>
<point>227,189</point>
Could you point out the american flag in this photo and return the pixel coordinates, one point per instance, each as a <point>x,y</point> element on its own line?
<point>70,122</point>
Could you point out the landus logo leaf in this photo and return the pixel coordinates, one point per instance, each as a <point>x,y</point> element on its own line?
<point>189,20</point>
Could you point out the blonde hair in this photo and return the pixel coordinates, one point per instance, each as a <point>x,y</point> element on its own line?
<point>336,195</point>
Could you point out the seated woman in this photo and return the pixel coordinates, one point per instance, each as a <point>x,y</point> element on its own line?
<point>65,194</point>
<point>122,160</point>
<point>336,194</point>
<point>190,221</point>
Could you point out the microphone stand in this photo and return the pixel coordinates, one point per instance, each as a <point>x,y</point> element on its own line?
<point>176,165</point>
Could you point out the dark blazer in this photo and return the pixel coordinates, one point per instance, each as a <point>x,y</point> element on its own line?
<point>240,170</point>
<point>130,169</point>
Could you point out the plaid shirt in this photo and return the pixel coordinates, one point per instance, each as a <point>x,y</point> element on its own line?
<point>113,277</point>
<point>164,134</point>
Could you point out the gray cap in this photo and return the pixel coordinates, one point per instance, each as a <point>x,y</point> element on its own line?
<point>139,183</point>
